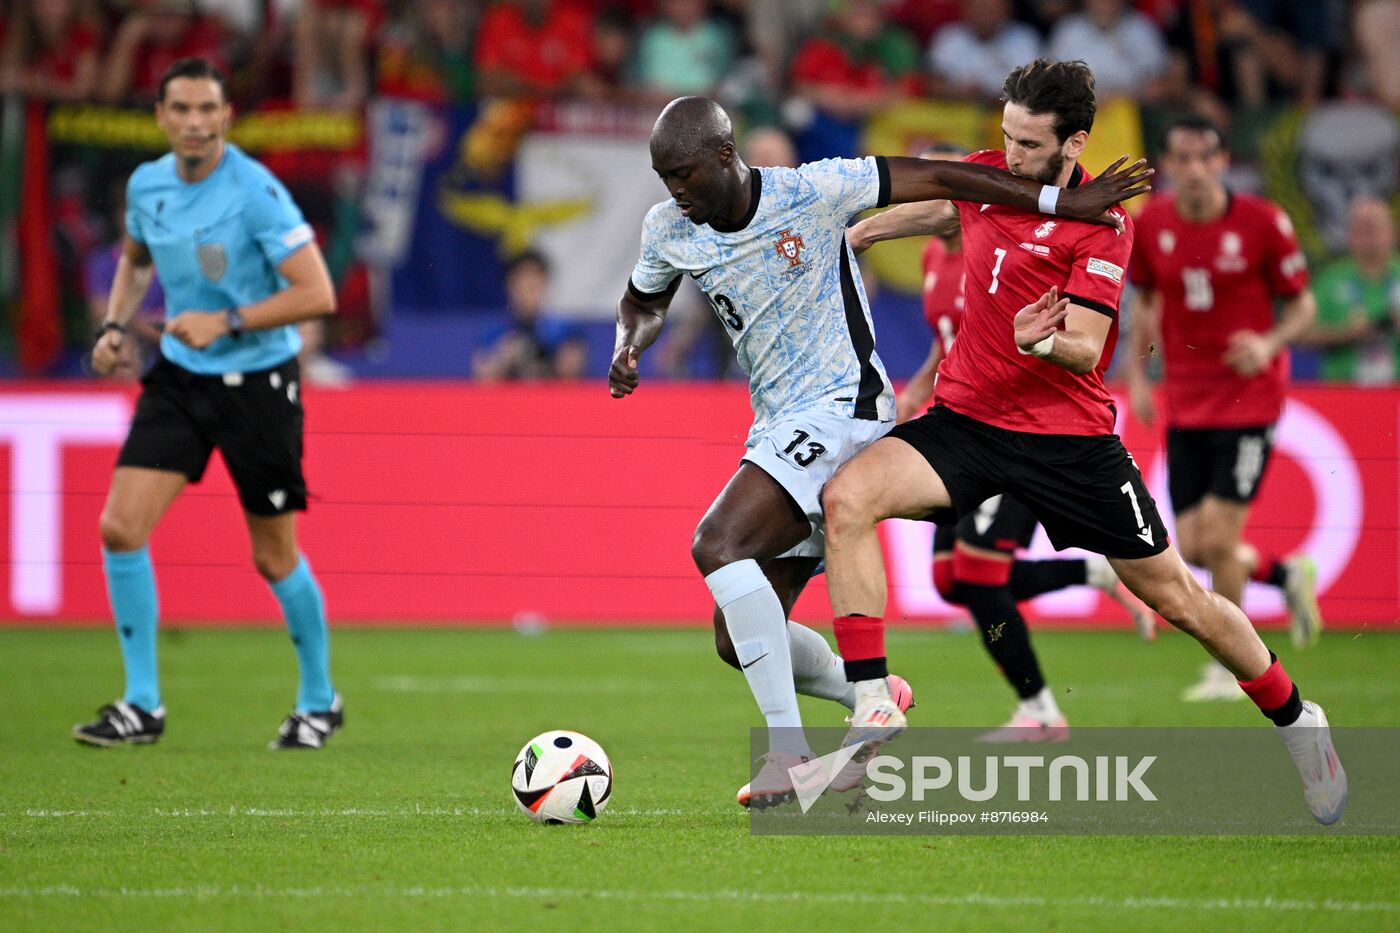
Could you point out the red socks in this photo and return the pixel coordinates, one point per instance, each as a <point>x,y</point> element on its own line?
<point>861,642</point>
<point>1275,693</point>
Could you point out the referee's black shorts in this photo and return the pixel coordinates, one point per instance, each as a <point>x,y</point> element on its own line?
<point>1086,491</point>
<point>254,419</point>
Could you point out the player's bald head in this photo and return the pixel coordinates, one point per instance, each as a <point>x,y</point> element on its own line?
<point>690,126</point>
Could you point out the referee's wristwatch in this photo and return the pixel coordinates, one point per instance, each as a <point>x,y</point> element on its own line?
<point>105,326</point>
<point>233,318</point>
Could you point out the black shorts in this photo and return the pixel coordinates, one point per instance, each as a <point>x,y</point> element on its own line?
<point>1001,523</point>
<point>1086,491</point>
<point>254,419</point>
<point>1224,462</point>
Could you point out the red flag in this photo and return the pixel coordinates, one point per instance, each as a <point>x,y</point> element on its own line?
<point>40,325</point>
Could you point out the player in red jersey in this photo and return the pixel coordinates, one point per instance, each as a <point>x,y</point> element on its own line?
<point>1021,408</point>
<point>974,559</point>
<point>1208,264</point>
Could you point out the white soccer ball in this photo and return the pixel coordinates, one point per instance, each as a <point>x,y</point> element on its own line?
<point>562,777</point>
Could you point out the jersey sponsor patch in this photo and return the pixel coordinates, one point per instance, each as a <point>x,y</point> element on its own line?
<point>1106,269</point>
<point>298,235</point>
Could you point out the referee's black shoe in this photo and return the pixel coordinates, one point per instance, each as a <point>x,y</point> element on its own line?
<point>120,722</point>
<point>310,730</point>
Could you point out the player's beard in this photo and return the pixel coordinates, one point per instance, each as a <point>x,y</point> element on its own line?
<point>1050,175</point>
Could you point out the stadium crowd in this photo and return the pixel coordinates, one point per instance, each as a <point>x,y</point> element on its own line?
<point>844,58</point>
<point>815,70</point>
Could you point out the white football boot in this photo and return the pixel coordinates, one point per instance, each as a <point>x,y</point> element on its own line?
<point>1309,741</point>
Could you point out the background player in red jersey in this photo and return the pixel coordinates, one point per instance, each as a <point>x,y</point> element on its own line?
<point>974,559</point>
<point>1208,264</point>
<point>1022,409</point>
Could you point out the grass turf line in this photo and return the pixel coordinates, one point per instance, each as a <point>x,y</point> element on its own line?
<point>406,819</point>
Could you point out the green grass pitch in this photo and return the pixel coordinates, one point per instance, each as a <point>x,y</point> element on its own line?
<point>405,821</point>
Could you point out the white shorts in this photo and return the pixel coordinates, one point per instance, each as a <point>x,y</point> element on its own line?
<point>803,451</point>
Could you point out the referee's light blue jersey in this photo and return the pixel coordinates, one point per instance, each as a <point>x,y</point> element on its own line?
<point>217,244</point>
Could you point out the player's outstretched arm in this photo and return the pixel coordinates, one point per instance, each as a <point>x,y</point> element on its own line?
<point>926,180</point>
<point>639,320</point>
<point>915,218</point>
<point>1070,336</point>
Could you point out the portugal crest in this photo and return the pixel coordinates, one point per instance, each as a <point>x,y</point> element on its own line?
<point>213,261</point>
<point>790,247</point>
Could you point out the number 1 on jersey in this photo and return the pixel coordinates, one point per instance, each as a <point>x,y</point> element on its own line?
<point>1137,509</point>
<point>996,270</point>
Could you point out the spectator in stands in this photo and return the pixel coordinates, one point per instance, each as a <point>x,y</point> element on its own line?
<point>532,344</point>
<point>1283,44</point>
<point>923,18</point>
<point>769,146</point>
<point>972,58</point>
<point>609,77</point>
<point>50,51</point>
<point>533,48</point>
<point>685,51</point>
<point>244,18</point>
<point>858,66</point>
<point>775,29</point>
<point>152,37</point>
<point>333,39</point>
<point>1358,301</point>
<point>426,53</point>
<point>1377,26</point>
<point>1123,47</point>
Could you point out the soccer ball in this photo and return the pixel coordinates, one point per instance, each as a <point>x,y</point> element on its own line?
<point>562,777</point>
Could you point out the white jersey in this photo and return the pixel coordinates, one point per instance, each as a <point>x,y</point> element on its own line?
<point>786,286</point>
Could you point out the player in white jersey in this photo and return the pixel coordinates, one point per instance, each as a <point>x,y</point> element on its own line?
<point>768,247</point>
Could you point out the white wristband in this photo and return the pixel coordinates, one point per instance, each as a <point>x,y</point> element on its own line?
<point>1049,197</point>
<point>1041,349</point>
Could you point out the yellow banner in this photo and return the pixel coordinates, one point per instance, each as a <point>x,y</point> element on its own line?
<point>136,129</point>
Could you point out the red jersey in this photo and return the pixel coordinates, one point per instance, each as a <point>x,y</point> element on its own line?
<point>549,54</point>
<point>1215,279</point>
<point>943,291</point>
<point>821,61</point>
<point>1010,258</point>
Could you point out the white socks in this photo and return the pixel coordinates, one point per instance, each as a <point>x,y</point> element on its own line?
<point>817,671</point>
<point>758,628</point>
<point>1042,707</point>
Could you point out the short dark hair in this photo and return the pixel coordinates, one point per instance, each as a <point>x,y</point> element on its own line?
<point>530,257</point>
<point>1065,89</point>
<point>1194,123</point>
<point>193,68</point>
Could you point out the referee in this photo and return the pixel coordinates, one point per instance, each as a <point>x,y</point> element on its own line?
<point>240,268</point>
